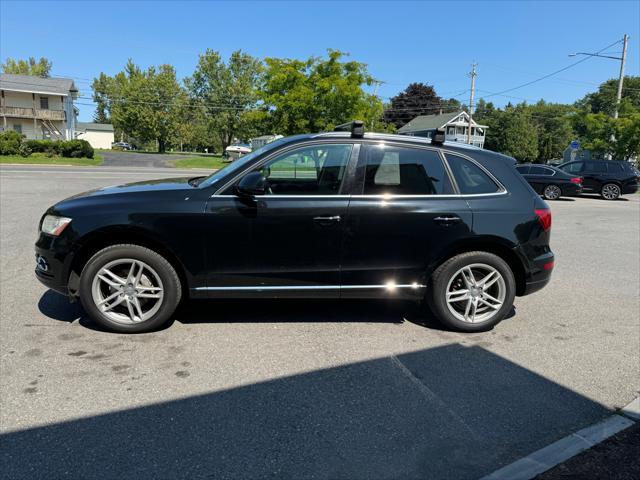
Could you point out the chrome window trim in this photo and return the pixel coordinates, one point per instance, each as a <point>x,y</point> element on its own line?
<point>380,196</point>
<point>309,287</point>
<point>501,187</point>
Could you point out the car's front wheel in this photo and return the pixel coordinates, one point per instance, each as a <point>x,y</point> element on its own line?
<point>610,191</point>
<point>551,192</point>
<point>129,288</point>
<point>472,291</point>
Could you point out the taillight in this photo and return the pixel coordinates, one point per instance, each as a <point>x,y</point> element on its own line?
<point>544,217</point>
<point>576,180</point>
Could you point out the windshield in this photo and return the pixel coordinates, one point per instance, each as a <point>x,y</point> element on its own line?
<point>240,163</point>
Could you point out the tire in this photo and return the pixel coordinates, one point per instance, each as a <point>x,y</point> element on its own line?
<point>610,191</point>
<point>449,277</point>
<point>129,289</point>
<point>551,192</point>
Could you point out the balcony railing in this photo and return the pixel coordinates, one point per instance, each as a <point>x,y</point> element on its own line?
<point>462,138</point>
<point>21,112</point>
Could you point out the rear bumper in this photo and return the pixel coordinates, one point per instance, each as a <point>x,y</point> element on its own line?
<point>571,190</point>
<point>540,274</point>
<point>629,188</point>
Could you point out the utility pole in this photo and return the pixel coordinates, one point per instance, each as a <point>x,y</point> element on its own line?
<point>473,75</point>
<point>376,84</point>
<point>621,79</point>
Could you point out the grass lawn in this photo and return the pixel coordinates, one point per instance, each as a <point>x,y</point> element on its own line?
<point>200,162</point>
<point>42,159</point>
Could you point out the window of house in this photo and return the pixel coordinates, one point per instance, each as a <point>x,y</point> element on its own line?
<point>44,103</point>
<point>311,170</point>
<point>405,171</point>
<point>17,127</point>
<point>471,178</point>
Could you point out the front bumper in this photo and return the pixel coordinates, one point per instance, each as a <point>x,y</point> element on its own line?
<point>53,261</point>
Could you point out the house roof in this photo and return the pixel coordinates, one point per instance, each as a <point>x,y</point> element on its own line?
<point>428,122</point>
<point>32,84</point>
<point>100,127</point>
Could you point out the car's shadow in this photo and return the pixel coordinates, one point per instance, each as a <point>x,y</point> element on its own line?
<point>58,307</point>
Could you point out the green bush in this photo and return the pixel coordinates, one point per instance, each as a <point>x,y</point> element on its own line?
<point>44,146</point>
<point>10,142</point>
<point>24,150</point>
<point>13,143</point>
<point>76,149</point>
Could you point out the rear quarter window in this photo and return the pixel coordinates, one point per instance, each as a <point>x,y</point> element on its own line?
<point>471,179</point>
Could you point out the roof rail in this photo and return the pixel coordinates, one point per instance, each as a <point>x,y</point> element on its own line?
<point>356,127</point>
<point>438,137</point>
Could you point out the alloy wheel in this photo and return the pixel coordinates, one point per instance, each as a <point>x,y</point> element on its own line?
<point>475,293</point>
<point>610,191</point>
<point>127,291</point>
<point>552,192</point>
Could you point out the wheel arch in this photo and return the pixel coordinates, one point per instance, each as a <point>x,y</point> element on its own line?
<point>490,245</point>
<point>95,241</point>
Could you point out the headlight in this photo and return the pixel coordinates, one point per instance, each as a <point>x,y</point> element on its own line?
<point>54,225</point>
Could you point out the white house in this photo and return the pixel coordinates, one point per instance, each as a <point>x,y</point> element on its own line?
<point>455,125</point>
<point>99,135</point>
<point>39,108</point>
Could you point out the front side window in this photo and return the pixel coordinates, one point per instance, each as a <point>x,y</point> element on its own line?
<point>596,167</point>
<point>405,171</point>
<point>311,170</point>
<point>471,179</point>
<point>44,103</point>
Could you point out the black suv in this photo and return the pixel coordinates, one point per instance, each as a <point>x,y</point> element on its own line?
<point>329,215</point>
<point>609,178</point>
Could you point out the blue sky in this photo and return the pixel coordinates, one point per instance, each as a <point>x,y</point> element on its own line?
<point>402,42</point>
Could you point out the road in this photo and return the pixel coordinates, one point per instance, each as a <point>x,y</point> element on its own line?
<point>316,389</point>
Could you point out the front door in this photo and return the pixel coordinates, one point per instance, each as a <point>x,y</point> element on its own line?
<point>295,239</point>
<point>407,213</point>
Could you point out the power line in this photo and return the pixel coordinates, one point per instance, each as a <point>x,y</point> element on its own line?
<point>552,73</point>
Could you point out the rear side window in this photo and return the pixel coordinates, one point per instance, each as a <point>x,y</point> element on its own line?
<point>523,169</point>
<point>575,167</point>
<point>614,167</point>
<point>405,171</point>
<point>471,179</point>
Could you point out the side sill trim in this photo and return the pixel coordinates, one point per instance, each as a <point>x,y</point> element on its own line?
<point>259,288</point>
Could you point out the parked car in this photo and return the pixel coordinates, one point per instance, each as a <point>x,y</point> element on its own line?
<point>122,146</point>
<point>328,215</point>
<point>609,178</point>
<point>550,182</point>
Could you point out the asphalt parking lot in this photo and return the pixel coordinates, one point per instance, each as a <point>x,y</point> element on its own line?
<point>309,389</point>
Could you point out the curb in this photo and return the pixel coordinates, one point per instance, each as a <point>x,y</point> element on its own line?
<point>548,457</point>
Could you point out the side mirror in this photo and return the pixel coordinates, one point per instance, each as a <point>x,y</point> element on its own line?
<point>251,184</point>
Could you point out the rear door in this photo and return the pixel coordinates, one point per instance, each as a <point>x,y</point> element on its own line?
<point>595,174</point>
<point>404,211</point>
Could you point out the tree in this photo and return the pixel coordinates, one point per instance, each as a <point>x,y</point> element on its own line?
<point>39,68</point>
<point>416,99</point>
<point>617,137</point>
<point>144,104</point>
<point>513,133</point>
<point>554,125</point>
<point>226,91</point>
<point>604,100</point>
<point>319,93</point>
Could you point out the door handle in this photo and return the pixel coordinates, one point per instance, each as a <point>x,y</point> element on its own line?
<point>447,219</point>
<point>327,220</point>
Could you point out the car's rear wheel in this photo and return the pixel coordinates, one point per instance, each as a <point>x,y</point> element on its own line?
<point>472,291</point>
<point>610,191</point>
<point>551,192</point>
<point>129,288</point>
